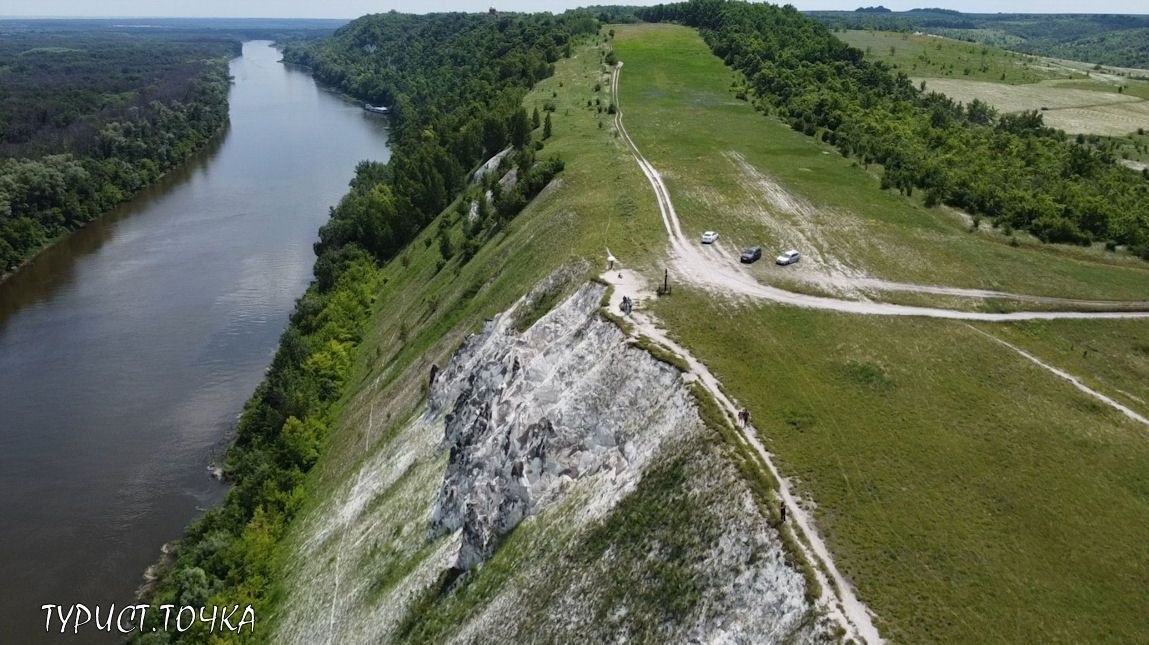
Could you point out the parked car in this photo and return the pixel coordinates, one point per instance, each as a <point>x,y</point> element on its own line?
<point>752,254</point>
<point>787,257</point>
<point>709,237</point>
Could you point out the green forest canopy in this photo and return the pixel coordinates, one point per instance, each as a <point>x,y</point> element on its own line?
<point>88,119</point>
<point>454,83</point>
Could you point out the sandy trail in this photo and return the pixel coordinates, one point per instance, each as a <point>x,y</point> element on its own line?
<point>796,223</point>
<point>1071,378</point>
<point>838,597</point>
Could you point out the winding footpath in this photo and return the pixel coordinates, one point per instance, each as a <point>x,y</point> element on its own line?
<point>837,597</point>
<point>719,271</point>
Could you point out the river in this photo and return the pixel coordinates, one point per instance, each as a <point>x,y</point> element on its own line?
<point>128,349</point>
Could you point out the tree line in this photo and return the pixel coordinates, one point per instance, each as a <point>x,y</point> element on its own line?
<point>1009,168</point>
<point>87,120</point>
<point>455,84</point>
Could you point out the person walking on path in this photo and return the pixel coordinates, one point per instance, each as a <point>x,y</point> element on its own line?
<point>782,512</point>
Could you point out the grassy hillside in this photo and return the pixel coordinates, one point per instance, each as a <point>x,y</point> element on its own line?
<point>969,495</point>
<point>691,496</point>
<point>426,306</point>
<point>724,159</point>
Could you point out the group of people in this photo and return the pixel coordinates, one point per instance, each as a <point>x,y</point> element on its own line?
<point>743,417</point>
<point>627,305</point>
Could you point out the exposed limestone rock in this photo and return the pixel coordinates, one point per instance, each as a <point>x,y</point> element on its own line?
<point>491,165</point>
<point>508,181</point>
<point>562,431</point>
<point>532,412</point>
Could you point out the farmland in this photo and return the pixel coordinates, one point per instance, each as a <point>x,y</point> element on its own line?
<point>1072,96</point>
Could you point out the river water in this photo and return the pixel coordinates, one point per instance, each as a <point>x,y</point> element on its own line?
<point>128,349</point>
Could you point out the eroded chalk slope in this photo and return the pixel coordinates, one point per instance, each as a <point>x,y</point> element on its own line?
<point>557,485</point>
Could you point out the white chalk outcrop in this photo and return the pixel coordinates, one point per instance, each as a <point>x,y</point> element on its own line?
<point>551,432</point>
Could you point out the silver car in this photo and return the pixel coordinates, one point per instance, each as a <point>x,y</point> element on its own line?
<point>787,257</point>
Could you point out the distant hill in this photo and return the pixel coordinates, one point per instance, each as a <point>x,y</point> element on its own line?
<point>1120,40</point>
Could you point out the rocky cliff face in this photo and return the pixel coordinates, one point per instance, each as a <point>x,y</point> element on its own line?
<point>564,484</point>
<point>531,413</point>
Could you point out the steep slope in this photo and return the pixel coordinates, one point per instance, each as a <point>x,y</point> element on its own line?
<point>559,484</point>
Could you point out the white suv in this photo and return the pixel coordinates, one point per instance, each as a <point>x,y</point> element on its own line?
<point>709,237</point>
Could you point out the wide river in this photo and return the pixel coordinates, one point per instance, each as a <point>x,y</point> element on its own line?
<point>128,349</point>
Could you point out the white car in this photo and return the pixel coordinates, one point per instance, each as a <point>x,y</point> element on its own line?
<point>787,257</point>
<point>709,237</point>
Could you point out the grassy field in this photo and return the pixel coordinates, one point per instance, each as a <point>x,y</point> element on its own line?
<point>933,57</point>
<point>1078,99</point>
<point>970,495</point>
<point>728,168</point>
<point>1111,357</point>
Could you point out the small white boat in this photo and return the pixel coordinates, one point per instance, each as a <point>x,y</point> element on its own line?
<point>376,109</point>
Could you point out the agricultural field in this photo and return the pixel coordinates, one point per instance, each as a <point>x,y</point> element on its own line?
<point>1085,107</point>
<point>1072,96</point>
<point>967,493</point>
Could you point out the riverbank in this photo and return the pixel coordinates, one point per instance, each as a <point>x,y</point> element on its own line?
<point>203,152</point>
<point>128,348</point>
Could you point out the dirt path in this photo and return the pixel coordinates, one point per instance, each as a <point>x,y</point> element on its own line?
<point>1071,378</point>
<point>838,597</point>
<point>797,223</point>
<point>886,285</point>
<point>722,273</point>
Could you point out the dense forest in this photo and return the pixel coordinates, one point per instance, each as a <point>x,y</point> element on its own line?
<point>455,84</point>
<point>88,119</point>
<point>1096,38</point>
<point>1009,168</point>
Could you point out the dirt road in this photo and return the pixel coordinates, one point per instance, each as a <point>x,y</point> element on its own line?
<point>706,267</point>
